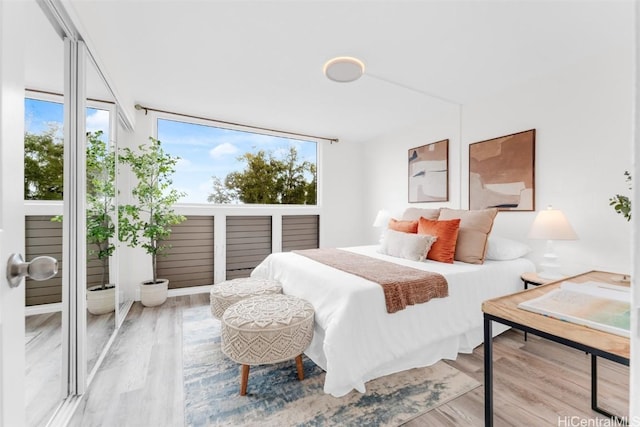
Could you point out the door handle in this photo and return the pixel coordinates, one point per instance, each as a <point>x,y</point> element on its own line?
<point>40,268</point>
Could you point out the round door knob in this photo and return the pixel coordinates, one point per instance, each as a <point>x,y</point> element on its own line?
<point>40,268</point>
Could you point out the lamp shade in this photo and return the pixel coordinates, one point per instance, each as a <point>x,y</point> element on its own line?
<point>382,219</point>
<point>551,224</point>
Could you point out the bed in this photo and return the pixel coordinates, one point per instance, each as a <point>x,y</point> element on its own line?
<point>356,340</point>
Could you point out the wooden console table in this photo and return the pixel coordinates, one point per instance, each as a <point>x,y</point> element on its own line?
<point>597,343</point>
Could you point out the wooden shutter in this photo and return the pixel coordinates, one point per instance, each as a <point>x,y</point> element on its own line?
<point>248,243</point>
<point>189,261</point>
<point>300,232</point>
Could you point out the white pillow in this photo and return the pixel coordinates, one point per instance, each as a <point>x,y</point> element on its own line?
<point>406,245</point>
<point>503,249</point>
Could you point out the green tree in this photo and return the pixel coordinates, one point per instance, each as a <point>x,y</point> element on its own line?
<point>292,182</point>
<point>43,165</point>
<point>312,186</point>
<point>221,193</point>
<point>258,183</point>
<point>101,191</point>
<point>268,180</point>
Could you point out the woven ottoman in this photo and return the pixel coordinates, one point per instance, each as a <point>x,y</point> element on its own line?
<point>231,291</point>
<point>267,329</point>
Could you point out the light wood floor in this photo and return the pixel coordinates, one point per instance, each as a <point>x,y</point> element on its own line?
<point>43,357</point>
<point>536,382</point>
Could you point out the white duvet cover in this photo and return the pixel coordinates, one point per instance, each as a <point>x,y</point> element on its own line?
<point>356,340</point>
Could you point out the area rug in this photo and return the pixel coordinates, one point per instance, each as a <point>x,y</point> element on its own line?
<point>275,397</point>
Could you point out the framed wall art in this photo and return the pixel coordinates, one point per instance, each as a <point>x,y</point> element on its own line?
<point>429,172</point>
<point>501,172</point>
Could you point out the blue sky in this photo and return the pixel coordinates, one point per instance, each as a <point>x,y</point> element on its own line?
<point>204,151</point>
<point>40,115</point>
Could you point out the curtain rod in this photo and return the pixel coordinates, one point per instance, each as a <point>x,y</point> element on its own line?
<point>46,92</point>
<point>147,109</point>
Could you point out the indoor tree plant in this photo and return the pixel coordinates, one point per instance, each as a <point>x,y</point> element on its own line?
<point>101,167</point>
<point>147,222</point>
<point>100,170</point>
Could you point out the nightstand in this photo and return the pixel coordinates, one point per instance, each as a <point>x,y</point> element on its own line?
<point>532,278</point>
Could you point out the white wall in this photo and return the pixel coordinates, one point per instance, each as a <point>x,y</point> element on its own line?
<point>342,192</point>
<point>583,120</point>
<point>386,171</point>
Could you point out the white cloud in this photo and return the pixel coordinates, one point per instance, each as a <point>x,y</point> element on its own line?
<point>183,164</point>
<point>99,120</point>
<point>223,149</point>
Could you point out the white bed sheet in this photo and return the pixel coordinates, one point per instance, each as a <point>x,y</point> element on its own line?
<point>356,340</point>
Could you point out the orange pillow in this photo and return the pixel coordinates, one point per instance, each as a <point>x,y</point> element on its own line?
<point>404,226</point>
<point>444,249</point>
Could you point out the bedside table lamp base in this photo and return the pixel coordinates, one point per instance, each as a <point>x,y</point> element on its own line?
<point>550,266</point>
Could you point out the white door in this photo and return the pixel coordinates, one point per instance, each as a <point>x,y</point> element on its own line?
<point>12,365</point>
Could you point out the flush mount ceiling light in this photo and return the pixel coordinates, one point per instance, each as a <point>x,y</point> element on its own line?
<point>343,69</point>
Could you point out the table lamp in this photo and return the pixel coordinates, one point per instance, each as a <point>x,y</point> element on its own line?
<point>381,221</point>
<point>551,224</point>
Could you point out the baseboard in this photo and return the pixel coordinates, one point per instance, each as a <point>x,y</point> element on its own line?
<point>32,310</point>
<point>190,291</point>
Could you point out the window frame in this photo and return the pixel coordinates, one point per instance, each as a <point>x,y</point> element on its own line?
<point>154,116</point>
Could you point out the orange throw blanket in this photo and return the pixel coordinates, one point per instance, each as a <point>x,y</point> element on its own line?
<point>402,286</point>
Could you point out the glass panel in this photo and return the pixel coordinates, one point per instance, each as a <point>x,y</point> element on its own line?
<point>125,294</point>
<point>44,58</point>
<point>228,166</point>
<point>100,215</point>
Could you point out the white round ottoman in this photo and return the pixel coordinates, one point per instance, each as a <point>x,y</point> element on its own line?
<point>231,291</point>
<point>267,329</point>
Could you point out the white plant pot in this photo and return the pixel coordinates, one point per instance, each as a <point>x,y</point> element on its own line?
<point>154,294</point>
<point>101,301</point>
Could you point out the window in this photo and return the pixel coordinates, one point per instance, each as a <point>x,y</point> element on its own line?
<point>227,166</point>
<point>43,141</point>
<point>43,145</point>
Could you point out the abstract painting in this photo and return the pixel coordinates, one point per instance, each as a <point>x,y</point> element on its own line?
<point>429,173</point>
<point>501,172</point>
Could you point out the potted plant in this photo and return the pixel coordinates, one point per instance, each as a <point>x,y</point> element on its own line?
<point>147,222</point>
<point>101,166</point>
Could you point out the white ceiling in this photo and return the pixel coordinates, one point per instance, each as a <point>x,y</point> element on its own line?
<point>260,62</point>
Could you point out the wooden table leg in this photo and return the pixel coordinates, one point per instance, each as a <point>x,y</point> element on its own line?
<point>300,367</point>
<point>244,379</point>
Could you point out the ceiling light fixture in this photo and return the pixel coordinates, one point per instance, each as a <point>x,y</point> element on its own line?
<point>343,69</point>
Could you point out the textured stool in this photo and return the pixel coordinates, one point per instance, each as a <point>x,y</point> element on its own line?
<point>231,291</point>
<point>267,329</point>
